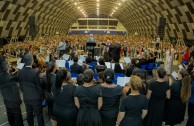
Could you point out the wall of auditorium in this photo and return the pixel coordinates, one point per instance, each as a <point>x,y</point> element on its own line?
<point>137,16</point>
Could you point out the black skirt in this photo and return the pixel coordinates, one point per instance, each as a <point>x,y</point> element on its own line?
<point>131,121</point>
<point>174,112</point>
<point>89,117</point>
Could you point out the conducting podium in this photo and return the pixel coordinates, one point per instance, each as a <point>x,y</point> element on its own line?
<point>90,47</point>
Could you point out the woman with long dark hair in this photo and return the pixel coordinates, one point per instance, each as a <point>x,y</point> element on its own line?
<point>157,93</point>
<point>64,108</point>
<point>48,84</point>
<point>180,93</point>
<point>88,99</point>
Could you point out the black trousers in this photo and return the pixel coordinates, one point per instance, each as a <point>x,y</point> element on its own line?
<point>37,111</point>
<point>190,121</point>
<point>14,116</point>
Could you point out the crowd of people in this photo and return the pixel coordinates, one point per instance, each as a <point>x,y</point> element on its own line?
<point>86,101</point>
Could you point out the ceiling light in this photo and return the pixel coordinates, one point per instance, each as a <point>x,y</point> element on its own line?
<point>97,0</point>
<point>78,7</point>
<point>119,4</point>
<point>97,4</point>
<point>75,3</point>
<point>113,10</point>
<point>116,7</point>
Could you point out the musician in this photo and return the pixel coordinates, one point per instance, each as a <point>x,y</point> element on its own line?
<point>91,39</point>
<point>11,96</point>
<point>32,92</point>
<point>62,46</point>
<point>76,68</point>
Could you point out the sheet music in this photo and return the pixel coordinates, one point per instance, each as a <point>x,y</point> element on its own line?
<point>175,75</point>
<point>121,66</point>
<point>97,58</point>
<point>60,63</point>
<point>47,59</point>
<point>127,60</point>
<point>113,66</point>
<point>70,63</point>
<point>66,57</point>
<point>20,66</point>
<point>108,65</point>
<point>80,62</point>
<point>122,81</point>
<point>180,66</point>
<point>19,60</point>
<point>83,57</point>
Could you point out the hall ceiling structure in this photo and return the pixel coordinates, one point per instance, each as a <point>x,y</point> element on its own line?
<point>141,16</point>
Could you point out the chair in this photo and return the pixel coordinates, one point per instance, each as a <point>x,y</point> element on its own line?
<point>150,67</point>
<point>143,67</point>
<point>67,66</point>
<point>158,64</point>
<point>96,76</point>
<point>116,76</point>
<point>92,65</point>
<point>74,75</point>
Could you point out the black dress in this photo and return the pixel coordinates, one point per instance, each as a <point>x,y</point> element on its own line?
<point>64,108</point>
<point>110,108</point>
<point>88,114</point>
<point>157,103</point>
<point>175,109</point>
<point>133,105</point>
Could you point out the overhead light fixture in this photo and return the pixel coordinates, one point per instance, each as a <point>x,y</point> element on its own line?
<point>116,8</point>
<point>113,10</point>
<point>75,3</point>
<point>119,4</point>
<point>78,7</point>
<point>97,4</point>
<point>97,0</point>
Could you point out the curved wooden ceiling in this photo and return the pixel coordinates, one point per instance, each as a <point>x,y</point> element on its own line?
<point>136,15</point>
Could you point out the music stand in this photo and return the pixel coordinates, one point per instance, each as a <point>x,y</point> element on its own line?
<point>90,47</point>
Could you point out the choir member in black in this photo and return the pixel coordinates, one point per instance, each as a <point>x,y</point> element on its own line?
<point>31,87</point>
<point>101,67</point>
<point>190,121</point>
<point>89,58</point>
<point>111,94</point>
<point>180,93</point>
<point>88,98</point>
<point>157,93</point>
<point>64,109</point>
<point>49,85</point>
<point>118,68</point>
<point>80,80</point>
<point>76,68</point>
<point>10,95</point>
<point>133,108</point>
<point>100,78</point>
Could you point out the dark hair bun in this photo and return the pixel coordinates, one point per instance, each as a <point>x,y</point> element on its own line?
<point>88,75</point>
<point>109,75</point>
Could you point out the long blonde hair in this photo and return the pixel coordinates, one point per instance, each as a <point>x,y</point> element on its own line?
<point>186,85</point>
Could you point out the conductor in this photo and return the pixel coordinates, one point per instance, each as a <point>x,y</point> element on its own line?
<point>91,44</point>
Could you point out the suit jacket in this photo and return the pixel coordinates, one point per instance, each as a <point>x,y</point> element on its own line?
<point>9,90</point>
<point>30,83</point>
<point>76,68</point>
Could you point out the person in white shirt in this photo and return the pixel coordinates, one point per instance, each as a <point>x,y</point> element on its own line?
<point>62,47</point>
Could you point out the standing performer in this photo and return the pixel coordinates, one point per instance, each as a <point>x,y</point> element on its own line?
<point>169,60</point>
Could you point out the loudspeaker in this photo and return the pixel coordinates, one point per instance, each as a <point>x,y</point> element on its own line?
<point>32,26</point>
<point>162,22</point>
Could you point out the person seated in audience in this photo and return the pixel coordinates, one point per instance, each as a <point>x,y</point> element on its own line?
<point>89,59</point>
<point>111,94</point>
<point>64,109</point>
<point>129,70</point>
<point>118,68</point>
<point>11,96</point>
<point>101,67</point>
<point>142,61</point>
<point>134,107</point>
<point>76,68</point>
